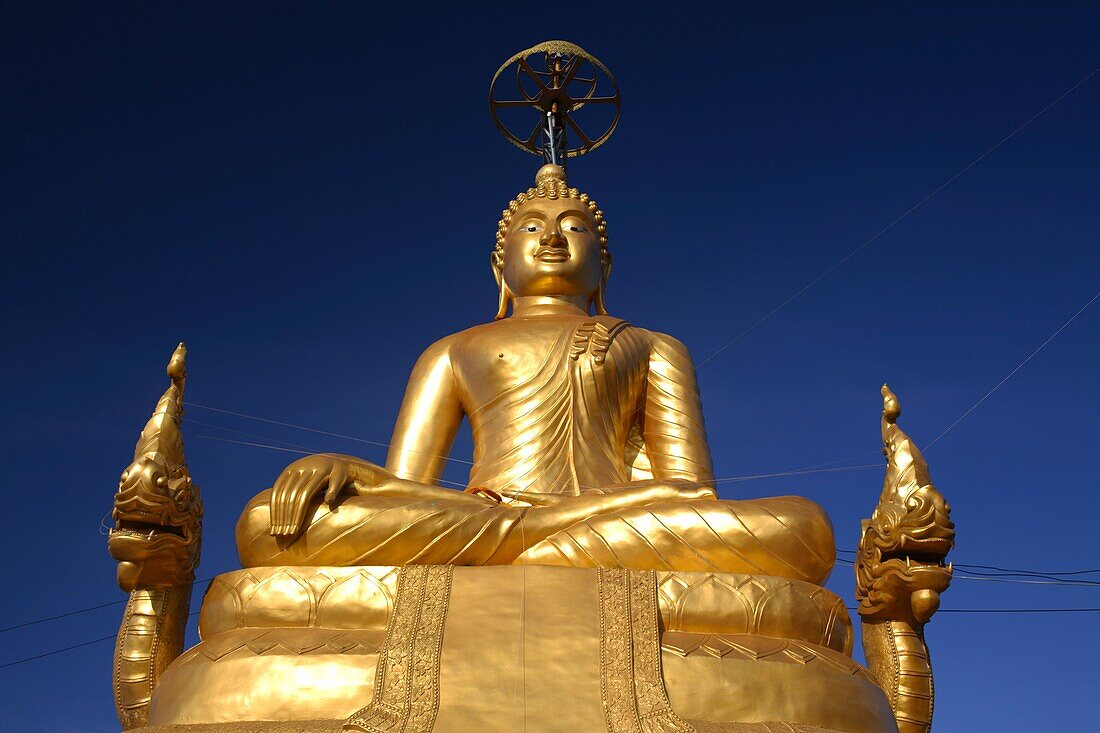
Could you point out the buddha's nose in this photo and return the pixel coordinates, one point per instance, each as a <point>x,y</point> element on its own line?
<point>553,239</point>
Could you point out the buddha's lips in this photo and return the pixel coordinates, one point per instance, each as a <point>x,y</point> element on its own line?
<point>552,254</point>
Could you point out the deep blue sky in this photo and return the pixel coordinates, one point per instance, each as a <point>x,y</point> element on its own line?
<point>308,197</point>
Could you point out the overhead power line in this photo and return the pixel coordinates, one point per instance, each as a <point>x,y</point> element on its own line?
<point>1008,571</point>
<point>305,451</point>
<point>889,226</point>
<point>378,443</point>
<point>1043,573</point>
<point>78,611</point>
<point>1030,580</point>
<point>67,648</point>
<point>60,616</point>
<point>1009,376</point>
<point>1019,610</point>
<point>58,651</point>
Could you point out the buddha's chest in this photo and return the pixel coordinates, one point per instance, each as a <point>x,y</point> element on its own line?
<point>533,355</point>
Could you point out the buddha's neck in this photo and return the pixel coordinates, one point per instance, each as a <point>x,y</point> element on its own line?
<point>527,306</point>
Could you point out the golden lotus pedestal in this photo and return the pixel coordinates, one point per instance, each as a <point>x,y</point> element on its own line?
<point>508,648</point>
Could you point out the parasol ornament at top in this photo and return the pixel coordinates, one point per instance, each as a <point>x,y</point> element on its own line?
<point>556,79</point>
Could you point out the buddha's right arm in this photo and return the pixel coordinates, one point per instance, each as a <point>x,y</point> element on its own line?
<point>428,421</point>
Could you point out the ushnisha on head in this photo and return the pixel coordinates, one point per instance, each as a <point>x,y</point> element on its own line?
<point>551,241</point>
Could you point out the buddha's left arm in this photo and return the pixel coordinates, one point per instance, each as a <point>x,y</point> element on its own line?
<point>672,428</point>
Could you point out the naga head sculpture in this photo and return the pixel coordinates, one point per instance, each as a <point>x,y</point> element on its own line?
<point>900,564</point>
<point>157,510</point>
<point>551,240</point>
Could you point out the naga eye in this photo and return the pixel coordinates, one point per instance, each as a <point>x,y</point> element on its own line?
<point>162,481</point>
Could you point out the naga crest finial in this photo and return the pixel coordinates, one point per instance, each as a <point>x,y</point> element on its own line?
<point>906,469</point>
<point>161,437</point>
<point>891,408</point>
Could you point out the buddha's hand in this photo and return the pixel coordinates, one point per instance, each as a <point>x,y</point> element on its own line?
<point>301,480</point>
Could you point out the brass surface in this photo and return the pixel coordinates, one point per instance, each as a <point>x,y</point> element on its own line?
<point>900,572</point>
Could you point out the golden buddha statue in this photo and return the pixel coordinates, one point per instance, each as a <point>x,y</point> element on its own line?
<point>589,445</point>
<point>587,579</point>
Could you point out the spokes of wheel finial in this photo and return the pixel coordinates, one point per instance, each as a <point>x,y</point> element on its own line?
<point>556,79</point>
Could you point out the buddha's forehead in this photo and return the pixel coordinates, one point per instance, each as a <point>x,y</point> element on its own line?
<point>551,208</point>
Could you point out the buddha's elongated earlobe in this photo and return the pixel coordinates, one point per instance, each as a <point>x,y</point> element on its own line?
<point>601,305</point>
<point>502,303</point>
<point>505,296</point>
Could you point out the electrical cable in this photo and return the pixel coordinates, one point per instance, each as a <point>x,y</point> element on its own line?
<point>1005,579</point>
<point>885,229</point>
<point>726,479</point>
<point>1007,610</point>
<point>314,430</point>
<point>1009,571</point>
<point>1043,573</point>
<point>67,648</point>
<point>197,583</point>
<point>291,450</point>
<point>61,616</point>
<point>1013,372</point>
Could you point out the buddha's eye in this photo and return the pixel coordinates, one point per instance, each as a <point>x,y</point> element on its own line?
<point>531,226</point>
<point>575,228</point>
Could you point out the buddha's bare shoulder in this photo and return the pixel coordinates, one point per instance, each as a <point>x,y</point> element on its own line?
<point>474,338</point>
<point>482,333</point>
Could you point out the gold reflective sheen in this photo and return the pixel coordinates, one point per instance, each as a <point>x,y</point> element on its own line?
<point>587,579</point>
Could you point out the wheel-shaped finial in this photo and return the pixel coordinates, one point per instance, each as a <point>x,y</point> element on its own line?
<point>557,79</point>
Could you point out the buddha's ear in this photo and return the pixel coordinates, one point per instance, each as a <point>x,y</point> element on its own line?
<point>605,265</point>
<point>505,296</point>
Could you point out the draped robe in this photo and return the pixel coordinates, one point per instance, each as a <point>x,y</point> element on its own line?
<point>607,402</point>
<point>610,404</point>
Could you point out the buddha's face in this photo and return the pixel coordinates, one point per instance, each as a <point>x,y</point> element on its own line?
<point>552,248</point>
